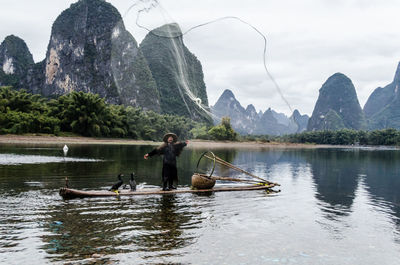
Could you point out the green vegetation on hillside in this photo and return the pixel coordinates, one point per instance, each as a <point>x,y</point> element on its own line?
<point>9,79</point>
<point>84,114</point>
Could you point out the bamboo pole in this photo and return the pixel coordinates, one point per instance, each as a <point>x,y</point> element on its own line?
<point>227,164</point>
<point>251,181</point>
<point>244,180</point>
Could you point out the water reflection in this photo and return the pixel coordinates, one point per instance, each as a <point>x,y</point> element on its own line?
<point>340,176</point>
<point>341,203</point>
<point>336,178</point>
<point>336,174</point>
<point>382,178</point>
<point>150,226</point>
<point>163,227</point>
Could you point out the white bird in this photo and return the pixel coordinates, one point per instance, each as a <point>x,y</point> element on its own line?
<point>65,149</point>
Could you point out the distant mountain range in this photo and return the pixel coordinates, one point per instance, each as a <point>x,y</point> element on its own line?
<point>248,121</point>
<point>338,107</point>
<point>90,50</point>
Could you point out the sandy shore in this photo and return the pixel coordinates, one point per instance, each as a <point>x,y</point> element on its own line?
<point>52,140</point>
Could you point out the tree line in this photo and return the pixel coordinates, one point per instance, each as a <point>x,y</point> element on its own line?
<point>339,137</point>
<point>347,137</point>
<point>84,114</point>
<point>88,114</point>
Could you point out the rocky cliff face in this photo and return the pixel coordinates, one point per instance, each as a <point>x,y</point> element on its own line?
<point>382,108</point>
<point>248,121</point>
<point>15,61</point>
<point>90,51</point>
<point>337,106</point>
<point>177,72</point>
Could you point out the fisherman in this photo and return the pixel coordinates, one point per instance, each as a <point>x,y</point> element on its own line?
<point>170,149</point>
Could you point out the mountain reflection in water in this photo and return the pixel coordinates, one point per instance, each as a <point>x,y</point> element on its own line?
<point>337,206</point>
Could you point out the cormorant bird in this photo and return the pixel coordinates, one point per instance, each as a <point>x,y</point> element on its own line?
<point>132,182</point>
<point>116,186</point>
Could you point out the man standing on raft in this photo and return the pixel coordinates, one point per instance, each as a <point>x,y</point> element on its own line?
<point>170,149</point>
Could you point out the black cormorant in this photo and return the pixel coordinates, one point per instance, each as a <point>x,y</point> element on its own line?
<point>116,186</point>
<point>132,182</point>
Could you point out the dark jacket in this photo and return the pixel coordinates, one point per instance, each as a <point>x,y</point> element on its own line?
<point>170,152</point>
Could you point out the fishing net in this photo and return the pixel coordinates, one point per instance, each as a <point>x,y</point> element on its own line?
<point>148,17</point>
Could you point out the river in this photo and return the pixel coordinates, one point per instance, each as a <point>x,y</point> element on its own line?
<point>336,206</point>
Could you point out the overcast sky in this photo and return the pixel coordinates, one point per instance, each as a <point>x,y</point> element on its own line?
<point>308,41</point>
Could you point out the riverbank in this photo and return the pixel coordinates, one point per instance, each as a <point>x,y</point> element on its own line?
<point>52,140</point>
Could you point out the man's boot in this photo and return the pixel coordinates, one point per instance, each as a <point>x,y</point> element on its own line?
<point>171,184</point>
<point>165,185</point>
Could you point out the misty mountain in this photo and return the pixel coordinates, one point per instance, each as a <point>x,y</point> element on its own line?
<point>15,61</point>
<point>177,72</point>
<point>242,120</point>
<point>337,106</point>
<point>90,50</point>
<point>300,120</point>
<point>248,121</point>
<point>382,108</point>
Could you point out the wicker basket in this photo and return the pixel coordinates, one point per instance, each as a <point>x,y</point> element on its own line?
<point>201,181</point>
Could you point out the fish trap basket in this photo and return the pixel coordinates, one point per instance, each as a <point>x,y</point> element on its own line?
<point>202,181</point>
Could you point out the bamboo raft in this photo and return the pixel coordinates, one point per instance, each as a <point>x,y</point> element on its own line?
<point>68,194</point>
<point>200,183</point>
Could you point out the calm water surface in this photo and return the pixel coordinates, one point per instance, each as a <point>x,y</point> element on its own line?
<point>336,206</point>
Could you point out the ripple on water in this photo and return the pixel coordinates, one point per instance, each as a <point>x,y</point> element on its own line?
<point>151,225</point>
<point>15,159</point>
